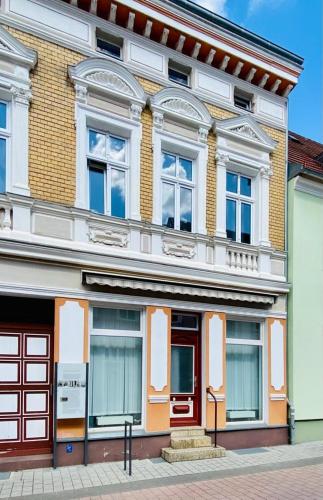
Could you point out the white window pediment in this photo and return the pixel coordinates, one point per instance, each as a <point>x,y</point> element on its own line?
<point>107,77</point>
<point>245,129</point>
<point>181,106</point>
<point>14,51</point>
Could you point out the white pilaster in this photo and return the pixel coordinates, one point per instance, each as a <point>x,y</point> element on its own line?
<point>220,230</point>
<point>18,177</point>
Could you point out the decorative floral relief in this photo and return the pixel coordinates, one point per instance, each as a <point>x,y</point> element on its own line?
<point>109,237</point>
<point>110,80</point>
<point>181,107</point>
<point>246,131</point>
<point>178,249</point>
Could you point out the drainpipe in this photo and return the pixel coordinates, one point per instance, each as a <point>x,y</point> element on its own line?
<point>291,422</point>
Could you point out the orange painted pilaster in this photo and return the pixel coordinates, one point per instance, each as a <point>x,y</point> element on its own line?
<point>158,368</point>
<point>277,388</point>
<point>71,320</point>
<point>217,323</point>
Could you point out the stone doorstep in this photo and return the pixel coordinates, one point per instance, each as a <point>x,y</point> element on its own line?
<point>188,431</point>
<point>174,455</point>
<point>190,442</point>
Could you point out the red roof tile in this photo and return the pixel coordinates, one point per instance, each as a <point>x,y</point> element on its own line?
<point>305,152</point>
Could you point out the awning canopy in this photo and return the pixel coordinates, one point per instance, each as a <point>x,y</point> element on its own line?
<point>176,288</point>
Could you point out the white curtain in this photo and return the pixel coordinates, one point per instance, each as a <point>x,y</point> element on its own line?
<point>115,375</point>
<point>244,379</point>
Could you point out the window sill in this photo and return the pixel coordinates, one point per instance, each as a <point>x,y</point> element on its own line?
<point>250,426</point>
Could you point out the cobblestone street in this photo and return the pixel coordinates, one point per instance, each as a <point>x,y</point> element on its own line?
<point>271,472</point>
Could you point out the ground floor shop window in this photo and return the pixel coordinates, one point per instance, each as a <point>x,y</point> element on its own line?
<point>244,362</point>
<point>115,367</point>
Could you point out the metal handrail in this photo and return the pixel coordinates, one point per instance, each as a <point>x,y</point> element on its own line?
<point>129,450</point>
<point>209,391</point>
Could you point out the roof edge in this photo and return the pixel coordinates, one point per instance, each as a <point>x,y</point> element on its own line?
<point>239,31</point>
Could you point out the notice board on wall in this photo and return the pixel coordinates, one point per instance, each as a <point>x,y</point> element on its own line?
<point>71,390</point>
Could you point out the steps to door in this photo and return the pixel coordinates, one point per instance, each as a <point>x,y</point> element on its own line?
<point>191,444</point>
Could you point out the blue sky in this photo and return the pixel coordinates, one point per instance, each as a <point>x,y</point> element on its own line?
<point>295,25</point>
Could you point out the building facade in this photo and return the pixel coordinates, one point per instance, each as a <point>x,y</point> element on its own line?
<point>305,272</point>
<point>143,179</point>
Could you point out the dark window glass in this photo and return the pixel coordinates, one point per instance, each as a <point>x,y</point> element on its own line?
<point>243,330</point>
<point>3,115</point>
<point>231,220</point>
<point>178,76</point>
<point>245,223</point>
<point>2,165</point>
<point>182,376</point>
<point>96,182</point>
<point>185,209</point>
<point>118,186</point>
<point>232,182</point>
<point>184,321</point>
<point>245,186</point>
<point>242,102</point>
<point>109,48</point>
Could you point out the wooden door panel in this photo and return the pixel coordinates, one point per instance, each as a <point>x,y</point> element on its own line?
<point>26,371</point>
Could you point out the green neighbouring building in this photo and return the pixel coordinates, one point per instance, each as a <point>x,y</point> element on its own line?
<point>305,272</point>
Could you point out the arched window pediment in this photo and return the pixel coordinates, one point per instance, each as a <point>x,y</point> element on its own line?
<point>181,105</point>
<point>107,77</point>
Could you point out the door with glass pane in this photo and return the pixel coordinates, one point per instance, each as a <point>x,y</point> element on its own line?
<point>185,371</point>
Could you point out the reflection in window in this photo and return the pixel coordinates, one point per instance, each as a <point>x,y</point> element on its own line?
<point>107,186</point>
<point>168,215</point>
<point>239,207</point>
<point>177,192</point>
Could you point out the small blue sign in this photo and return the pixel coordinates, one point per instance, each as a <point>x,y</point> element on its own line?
<point>69,448</point>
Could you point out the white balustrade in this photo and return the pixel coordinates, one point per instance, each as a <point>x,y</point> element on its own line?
<point>5,218</point>
<point>241,260</point>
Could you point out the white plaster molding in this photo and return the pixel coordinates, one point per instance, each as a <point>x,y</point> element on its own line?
<point>219,397</point>
<point>80,93</point>
<point>309,186</point>
<point>159,350</point>
<point>181,105</point>
<point>215,352</point>
<point>277,364</point>
<point>277,397</point>
<point>178,249</point>
<point>109,237</point>
<point>245,128</point>
<point>21,95</point>
<point>106,76</point>
<point>158,399</point>
<point>16,52</point>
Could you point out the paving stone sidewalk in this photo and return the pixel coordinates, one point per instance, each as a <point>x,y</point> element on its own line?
<point>95,479</point>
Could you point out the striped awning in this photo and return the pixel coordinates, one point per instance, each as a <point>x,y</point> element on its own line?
<point>176,288</point>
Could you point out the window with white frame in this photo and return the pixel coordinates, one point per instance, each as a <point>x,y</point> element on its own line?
<point>116,352</point>
<point>239,207</point>
<point>108,166</point>
<point>4,137</point>
<point>177,177</point>
<point>244,371</point>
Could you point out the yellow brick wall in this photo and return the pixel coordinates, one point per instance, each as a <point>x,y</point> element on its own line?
<point>52,144</point>
<point>277,189</point>
<point>146,171</point>
<point>52,151</point>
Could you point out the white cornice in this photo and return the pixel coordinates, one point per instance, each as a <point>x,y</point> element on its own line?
<point>15,51</point>
<point>309,186</point>
<point>87,50</point>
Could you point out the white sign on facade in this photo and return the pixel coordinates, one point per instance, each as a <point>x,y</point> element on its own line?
<point>71,386</point>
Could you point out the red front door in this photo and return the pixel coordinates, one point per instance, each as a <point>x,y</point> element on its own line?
<point>25,389</point>
<point>185,404</point>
